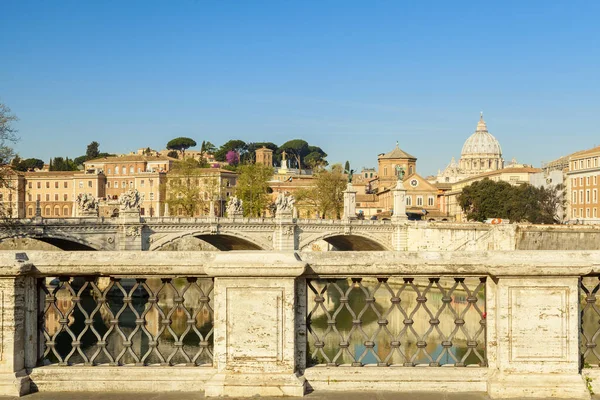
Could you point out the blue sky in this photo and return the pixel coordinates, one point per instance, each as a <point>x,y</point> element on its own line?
<point>352,77</point>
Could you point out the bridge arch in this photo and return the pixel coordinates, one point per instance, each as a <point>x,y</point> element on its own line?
<point>63,242</point>
<point>223,240</point>
<point>347,242</point>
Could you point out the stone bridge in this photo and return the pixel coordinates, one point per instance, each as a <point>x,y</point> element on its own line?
<point>118,234</point>
<point>290,234</point>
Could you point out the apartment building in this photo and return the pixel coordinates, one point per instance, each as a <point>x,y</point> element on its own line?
<point>583,186</point>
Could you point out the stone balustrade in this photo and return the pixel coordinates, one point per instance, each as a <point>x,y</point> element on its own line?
<point>512,324</point>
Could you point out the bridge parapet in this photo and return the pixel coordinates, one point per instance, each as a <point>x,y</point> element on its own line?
<point>271,323</point>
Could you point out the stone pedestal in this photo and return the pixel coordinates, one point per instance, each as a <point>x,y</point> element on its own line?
<point>88,214</point>
<point>284,236</point>
<point>536,340</point>
<point>14,291</point>
<point>254,323</point>
<point>399,214</point>
<point>349,202</point>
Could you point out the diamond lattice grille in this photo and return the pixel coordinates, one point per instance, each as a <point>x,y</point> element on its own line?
<point>397,321</point>
<point>112,321</point>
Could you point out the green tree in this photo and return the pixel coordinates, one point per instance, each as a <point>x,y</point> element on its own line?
<point>184,187</point>
<point>181,144</point>
<point>92,151</point>
<point>327,194</point>
<point>62,164</point>
<point>488,199</point>
<point>173,154</point>
<point>27,164</point>
<point>239,146</point>
<point>296,149</point>
<point>253,188</point>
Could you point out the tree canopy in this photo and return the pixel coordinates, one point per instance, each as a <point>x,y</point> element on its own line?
<point>181,144</point>
<point>302,155</point>
<point>62,164</point>
<point>489,199</point>
<point>326,197</point>
<point>253,188</point>
<point>188,189</point>
<point>93,151</point>
<point>27,164</point>
<point>239,146</point>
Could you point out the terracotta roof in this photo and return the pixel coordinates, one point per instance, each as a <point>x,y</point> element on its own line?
<point>52,173</point>
<point>587,152</point>
<point>130,157</point>
<point>397,153</point>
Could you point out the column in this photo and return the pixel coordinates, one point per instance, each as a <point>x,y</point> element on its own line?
<point>349,202</point>
<point>284,236</point>
<point>254,325</point>
<point>535,338</point>
<point>16,292</point>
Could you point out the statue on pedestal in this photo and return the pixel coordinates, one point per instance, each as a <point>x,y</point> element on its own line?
<point>87,204</point>
<point>131,200</point>
<point>235,207</point>
<point>284,204</point>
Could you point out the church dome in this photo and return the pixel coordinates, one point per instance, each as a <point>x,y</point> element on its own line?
<point>481,143</point>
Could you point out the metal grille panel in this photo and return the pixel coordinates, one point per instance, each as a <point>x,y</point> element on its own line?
<point>112,321</point>
<point>590,320</point>
<point>397,321</point>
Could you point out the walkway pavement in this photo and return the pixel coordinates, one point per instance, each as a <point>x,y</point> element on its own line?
<point>312,396</point>
<point>194,396</point>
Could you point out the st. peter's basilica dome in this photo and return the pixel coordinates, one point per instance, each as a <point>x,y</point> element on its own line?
<point>481,143</point>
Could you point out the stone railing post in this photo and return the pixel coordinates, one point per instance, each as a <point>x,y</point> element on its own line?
<point>16,293</point>
<point>254,325</point>
<point>284,236</point>
<point>349,202</point>
<point>534,340</point>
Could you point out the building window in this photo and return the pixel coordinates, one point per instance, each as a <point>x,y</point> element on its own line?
<point>29,197</point>
<point>39,197</point>
<point>595,212</point>
<point>131,170</point>
<point>581,196</point>
<point>589,163</point>
<point>55,185</point>
<point>574,213</point>
<point>139,170</point>
<point>47,197</point>
<point>66,185</point>
<point>581,164</point>
<point>30,211</point>
<point>595,163</point>
<point>587,212</point>
<point>47,211</point>
<point>65,211</point>
<point>587,196</point>
<point>47,185</point>
<point>574,197</point>
<point>131,184</point>
<point>430,201</point>
<point>56,211</point>
<point>80,184</point>
<point>116,184</point>
<point>142,183</point>
<point>142,210</point>
<point>408,200</point>
<point>384,171</point>
<point>587,180</point>
<point>580,181</point>
<point>108,185</point>
<point>581,212</point>
<point>419,200</point>
<point>30,185</point>
<point>39,185</point>
<point>574,182</point>
<point>124,184</point>
<point>90,184</point>
<point>117,170</point>
<point>151,195</point>
<point>595,195</point>
<point>55,196</point>
<point>151,182</point>
<point>124,170</point>
<point>595,179</point>
<point>109,171</point>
